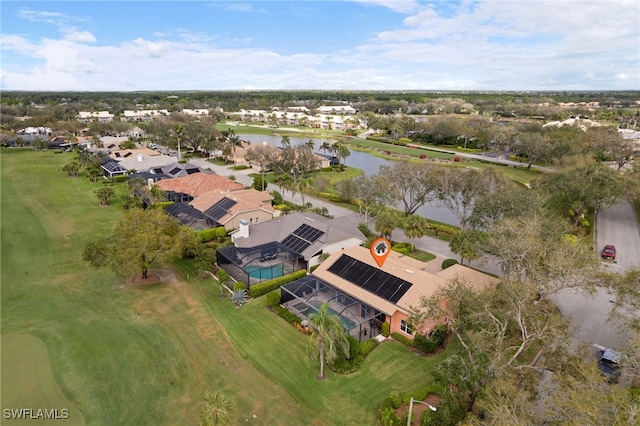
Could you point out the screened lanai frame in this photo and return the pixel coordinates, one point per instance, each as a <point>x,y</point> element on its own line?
<point>252,265</point>
<point>304,296</point>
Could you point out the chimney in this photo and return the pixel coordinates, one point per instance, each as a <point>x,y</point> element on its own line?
<point>243,230</point>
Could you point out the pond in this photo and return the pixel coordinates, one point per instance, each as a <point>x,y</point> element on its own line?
<point>368,163</point>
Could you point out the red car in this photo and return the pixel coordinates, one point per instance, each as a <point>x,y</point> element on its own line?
<point>609,252</point>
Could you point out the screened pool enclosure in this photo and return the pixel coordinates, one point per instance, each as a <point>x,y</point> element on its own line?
<point>252,265</point>
<point>306,295</point>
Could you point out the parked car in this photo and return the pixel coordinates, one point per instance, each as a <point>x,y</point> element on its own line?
<point>609,365</point>
<point>609,252</point>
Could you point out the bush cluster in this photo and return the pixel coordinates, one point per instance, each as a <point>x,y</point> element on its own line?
<point>357,354</point>
<point>210,234</point>
<point>121,178</point>
<point>265,287</point>
<point>403,339</point>
<point>444,229</point>
<point>385,329</point>
<point>331,197</point>
<point>273,298</point>
<point>287,315</point>
<point>429,344</point>
<point>447,263</point>
<point>239,286</point>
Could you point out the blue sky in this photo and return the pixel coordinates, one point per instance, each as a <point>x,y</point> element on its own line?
<point>320,44</point>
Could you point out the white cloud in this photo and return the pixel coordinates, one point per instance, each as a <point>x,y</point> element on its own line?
<point>55,18</point>
<point>401,6</point>
<point>80,37</point>
<point>243,8</point>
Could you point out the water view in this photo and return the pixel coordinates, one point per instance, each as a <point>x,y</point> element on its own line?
<point>368,163</point>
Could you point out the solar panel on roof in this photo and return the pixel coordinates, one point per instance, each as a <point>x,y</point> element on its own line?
<point>157,170</point>
<point>192,171</point>
<point>174,170</point>
<point>295,243</point>
<point>221,208</point>
<point>374,280</point>
<point>308,233</point>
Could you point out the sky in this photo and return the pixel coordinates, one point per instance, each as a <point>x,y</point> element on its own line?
<point>320,45</point>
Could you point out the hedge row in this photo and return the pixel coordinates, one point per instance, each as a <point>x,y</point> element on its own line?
<point>210,234</point>
<point>287,315</point>
<point>265,287</point>
<point>403,339</point>
<point>357,354</point>
<point>433,342</point>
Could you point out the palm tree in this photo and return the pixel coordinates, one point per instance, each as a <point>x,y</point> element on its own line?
<point>326,146</point>
<point>178,134</point>
<point>217,409</point>
<point>311,144</point>
<point>342,152</point>
<point>328,337</point>
<point>286,142</point>
<point>105,194</point>
<point>415,227</point>
<point>303,185</point>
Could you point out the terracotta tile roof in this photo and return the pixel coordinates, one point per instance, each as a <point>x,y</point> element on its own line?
<point>424,284</point>
<point>199,183</point>
<point>246,200</point>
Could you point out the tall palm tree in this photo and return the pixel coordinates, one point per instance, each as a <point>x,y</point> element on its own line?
<point>311,144</point>
<point>178,134</point>
<point>326,146</point>
<point>217,409</point>
<point>342,152</point>
<point>415,227</point>
<point>328,337</point>
<point>286,142</point>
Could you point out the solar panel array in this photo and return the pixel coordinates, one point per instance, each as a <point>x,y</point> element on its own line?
<point>174,170</point>
<point>192,171</point>
<point>372,279</point>
<point>221,208</point>
<point>302,238</point>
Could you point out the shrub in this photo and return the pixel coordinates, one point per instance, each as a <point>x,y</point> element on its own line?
<point>422,343</point>
<point>403,248</point>
<point>402,339</point>
<point>456,158</point>
<point>206,235</point>
<point>448,263</point>
<point>385,329</point>
<point>445,229</point>
<point>221,232</point>
<point>277,198</point>
<point>423,156</point>
<point>239,297</point>
<point>239,286</point>
<point>287,315</point>
<point>161,205</point>
<point>121,178</point>
<point>273,298</point>
<point>265,287</point>
<point>329,196</point>
<point>365,230</point>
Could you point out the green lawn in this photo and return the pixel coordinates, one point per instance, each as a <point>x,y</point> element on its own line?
<point>124,354</point>
<point>27,383</point>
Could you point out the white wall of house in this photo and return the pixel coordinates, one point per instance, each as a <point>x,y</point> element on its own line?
<point>334,247</point>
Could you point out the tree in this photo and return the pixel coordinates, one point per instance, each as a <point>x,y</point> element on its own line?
<point>93,173</point>
<point>140,239</point>
<point>177,133</point>
<point>311,144</point>
<point>285,142</point>
<point>415,227</point>
<point>217,409</point>
<point>532,145</point>
<point>223,280</point>
<point>342,152</point>
<point>412,184</point>
<point>369,193</point>
<point>458,190</point>
<point>328,337</point>
<point>581,188</point>
<point>258,183</point>
<point>264,156</point>
<point>105,194</point>
<point>386,223</point>
<point>39,144</point>
<point>326,146</point>
<point>71,168</point>
<point>303,186</point>
<point>467,243</point>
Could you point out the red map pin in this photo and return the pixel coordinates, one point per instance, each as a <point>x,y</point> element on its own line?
<point>380,248</point>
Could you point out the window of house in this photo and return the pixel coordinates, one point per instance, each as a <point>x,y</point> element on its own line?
<point>250,221</point>
<point>257,219</point>
<point>404,326</point>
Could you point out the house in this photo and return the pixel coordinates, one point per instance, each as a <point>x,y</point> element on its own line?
<point>336,109</point>
<point>111,168</point>
<point>144,161</point>
<point>144,115</point>
<point>228,208</point>
<point>91,116</point>
<point>269,249</point>
<point>364,295</point>
<point>192,185</point>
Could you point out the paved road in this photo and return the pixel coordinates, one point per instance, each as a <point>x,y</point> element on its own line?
<point>590,314</point>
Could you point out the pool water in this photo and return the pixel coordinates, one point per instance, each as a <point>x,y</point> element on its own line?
<point>264,272</point>
<point>302,308</point>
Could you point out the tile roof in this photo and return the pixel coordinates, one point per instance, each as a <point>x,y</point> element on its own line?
<point>198,184</point>
<point>246,200</point>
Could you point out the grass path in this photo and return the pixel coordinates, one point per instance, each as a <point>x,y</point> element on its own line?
<point>143,355</point>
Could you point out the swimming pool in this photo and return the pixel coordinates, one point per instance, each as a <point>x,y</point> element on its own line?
<point>302,308</point>
<point>265,272</point>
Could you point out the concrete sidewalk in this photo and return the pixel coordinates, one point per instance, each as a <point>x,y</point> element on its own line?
<point>430,244</point>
